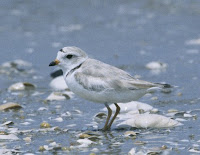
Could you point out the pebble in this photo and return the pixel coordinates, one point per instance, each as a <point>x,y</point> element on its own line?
<point>45,125</point>
<point>163,147</point>
<point>155,65</point>
<point>27,139</point>
<point>41,148</point>
<point>66,149</point>
<point>154,98</point>
<point>10,105</point>
<point>179,94</point>
<point>82,136</point>
<point>3,133</point>
<point>20,86</point>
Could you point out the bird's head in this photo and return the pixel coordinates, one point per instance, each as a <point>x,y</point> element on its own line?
<point>69,58</point>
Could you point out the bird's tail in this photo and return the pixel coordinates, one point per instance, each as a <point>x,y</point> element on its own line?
<point>165,88</point>
<point>164,85</point>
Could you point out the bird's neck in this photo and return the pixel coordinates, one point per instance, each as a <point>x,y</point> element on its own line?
<point>72,69</point>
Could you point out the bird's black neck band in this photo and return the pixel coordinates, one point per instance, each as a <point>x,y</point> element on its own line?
<point>72,70</point>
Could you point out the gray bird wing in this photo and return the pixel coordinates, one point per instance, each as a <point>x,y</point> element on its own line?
<point>98,76</point>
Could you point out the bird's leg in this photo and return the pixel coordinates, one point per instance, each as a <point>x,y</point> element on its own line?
<point>116,113</point>
<point>108,117</point>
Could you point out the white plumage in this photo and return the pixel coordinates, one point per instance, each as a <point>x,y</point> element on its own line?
<point>99,82</point>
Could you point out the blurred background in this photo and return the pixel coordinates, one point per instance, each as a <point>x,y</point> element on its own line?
<point>125,33</point>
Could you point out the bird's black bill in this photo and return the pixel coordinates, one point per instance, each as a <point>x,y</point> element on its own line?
<point>53,63</point>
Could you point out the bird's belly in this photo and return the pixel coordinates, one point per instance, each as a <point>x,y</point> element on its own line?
<point>105,96</point>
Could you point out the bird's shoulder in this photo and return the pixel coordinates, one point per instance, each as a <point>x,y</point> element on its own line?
<point>96,68</point>
<point>104,76</point>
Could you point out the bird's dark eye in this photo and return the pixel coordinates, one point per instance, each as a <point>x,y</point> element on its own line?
<point>69,56</point>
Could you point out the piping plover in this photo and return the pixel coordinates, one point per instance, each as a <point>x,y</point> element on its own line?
<point>99,82</point>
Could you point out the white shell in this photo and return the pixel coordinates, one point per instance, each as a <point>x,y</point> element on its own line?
<point>58,83</point>
<point>156,65</point>
<point>150,121</point>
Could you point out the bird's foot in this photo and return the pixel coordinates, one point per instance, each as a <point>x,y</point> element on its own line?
<point>105,128</point>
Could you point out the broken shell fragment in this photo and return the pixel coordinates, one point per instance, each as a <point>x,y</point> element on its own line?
<point>3,133</point>
<point>139,143</point>
<point>8,123</point>
<point>130,134</point>
<point>132,152</point>
<point>57,96</point>
<point>21,86</point>
<point>101,115</point>
<point>59,119</point>
<point>84,142</point>
<point>16,64</point>
<point>10,105</point>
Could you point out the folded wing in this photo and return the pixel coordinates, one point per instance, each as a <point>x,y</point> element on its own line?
<point>98,76</point>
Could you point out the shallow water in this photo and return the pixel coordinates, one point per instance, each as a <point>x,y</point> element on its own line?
<point>127,34</point>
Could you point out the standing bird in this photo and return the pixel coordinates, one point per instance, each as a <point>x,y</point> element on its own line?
<point>96,81</point>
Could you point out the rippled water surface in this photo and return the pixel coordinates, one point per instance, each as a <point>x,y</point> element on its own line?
<point>127,34</point>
